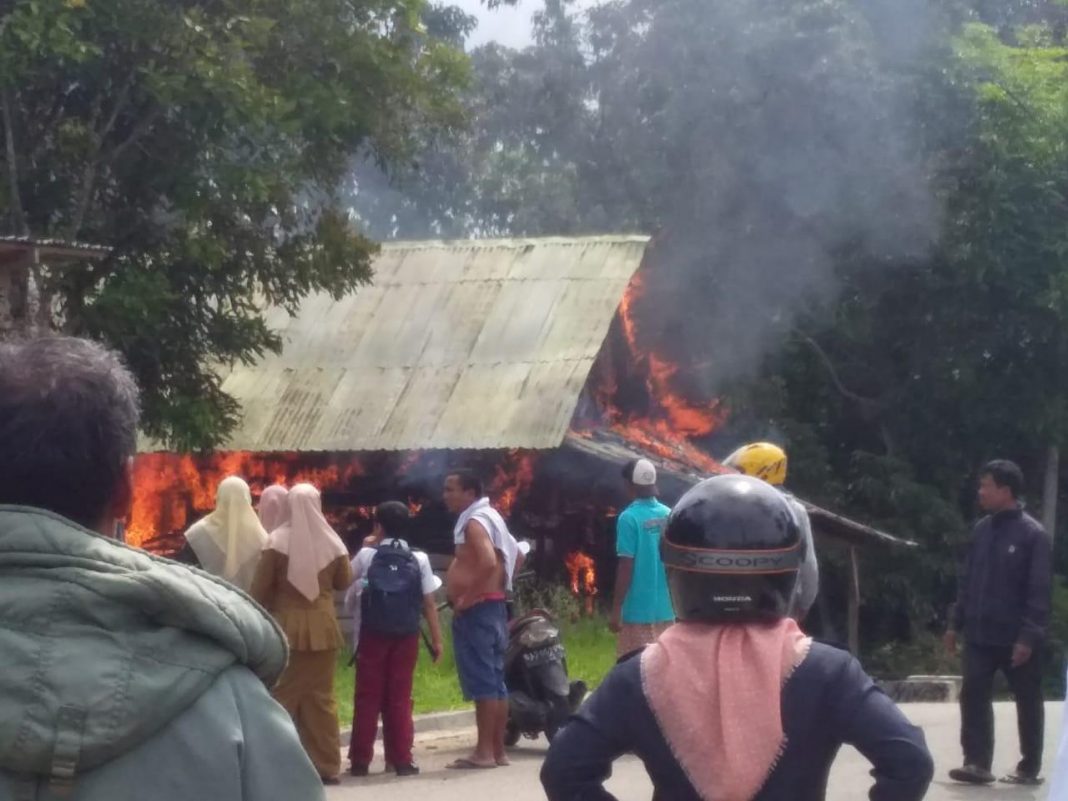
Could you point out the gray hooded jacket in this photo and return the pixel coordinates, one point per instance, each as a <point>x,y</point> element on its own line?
<point>126,676</point>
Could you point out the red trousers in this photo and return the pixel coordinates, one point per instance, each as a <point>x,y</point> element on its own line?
<point>385,668</point>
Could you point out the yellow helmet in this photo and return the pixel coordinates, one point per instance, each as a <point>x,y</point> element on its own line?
<point>761,460</point>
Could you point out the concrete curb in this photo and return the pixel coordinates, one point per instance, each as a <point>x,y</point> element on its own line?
<point>444,721</point>
<point>945,689</point>
<point>429,723</point>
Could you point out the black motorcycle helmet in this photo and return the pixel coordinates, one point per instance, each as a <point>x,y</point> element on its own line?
<point>732,549</point>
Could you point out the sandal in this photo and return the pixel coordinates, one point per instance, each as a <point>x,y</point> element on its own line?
<point>468,764</point>
<point>1022,779</point>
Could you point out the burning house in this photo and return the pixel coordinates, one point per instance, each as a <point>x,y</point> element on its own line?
<point>519,358</point>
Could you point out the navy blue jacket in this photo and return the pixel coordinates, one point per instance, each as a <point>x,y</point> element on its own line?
<point>1005,588</point>
<point>829,700</point>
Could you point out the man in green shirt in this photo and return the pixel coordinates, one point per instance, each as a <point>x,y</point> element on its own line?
<point>642,608</point>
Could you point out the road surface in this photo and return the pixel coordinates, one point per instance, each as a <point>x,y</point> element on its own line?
<point>849,778</point>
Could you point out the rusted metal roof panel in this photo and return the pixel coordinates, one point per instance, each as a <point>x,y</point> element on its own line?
<point>48,251</point>
<point>470,344</point>
<point>675,477</point>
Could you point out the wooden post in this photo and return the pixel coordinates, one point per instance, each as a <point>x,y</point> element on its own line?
<point>854,602</point>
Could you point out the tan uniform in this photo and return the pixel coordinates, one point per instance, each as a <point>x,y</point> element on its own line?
<point>306,688</point>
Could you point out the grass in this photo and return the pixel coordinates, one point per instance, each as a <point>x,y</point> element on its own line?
<point>591,653</point>
<point>591,650</point>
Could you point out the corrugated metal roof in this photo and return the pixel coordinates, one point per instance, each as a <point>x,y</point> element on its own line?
<point>470,344</point>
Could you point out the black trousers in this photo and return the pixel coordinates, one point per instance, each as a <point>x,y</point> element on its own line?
<point>981,662</point>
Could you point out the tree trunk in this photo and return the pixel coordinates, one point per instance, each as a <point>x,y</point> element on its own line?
<point>1050,488</point>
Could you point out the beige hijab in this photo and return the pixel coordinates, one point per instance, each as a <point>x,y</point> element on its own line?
<point>274,508</point>
<point>228,541</point>
<point>307,539</point>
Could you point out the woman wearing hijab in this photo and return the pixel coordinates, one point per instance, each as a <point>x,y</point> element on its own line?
<point>274,507</point>
<point>304,564</point>
<point>734,702</point>
<point>228,542</point>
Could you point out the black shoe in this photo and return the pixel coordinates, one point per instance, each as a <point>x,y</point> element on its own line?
<point>358,770</point>
<point>972,774</point>
<point>407,770</point>
<point>330,781</point>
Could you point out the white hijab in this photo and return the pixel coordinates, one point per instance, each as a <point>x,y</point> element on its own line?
<point>274,508</point>
<point>228,541</point>
<point>307,539</point>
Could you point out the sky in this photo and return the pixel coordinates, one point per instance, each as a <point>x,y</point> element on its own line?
<point>508,25</point>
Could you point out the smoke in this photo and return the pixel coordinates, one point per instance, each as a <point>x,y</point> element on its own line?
<point>779,144</point>
<point>766,144</point>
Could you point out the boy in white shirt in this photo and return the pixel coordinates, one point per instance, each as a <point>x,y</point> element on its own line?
<point>393,587</point>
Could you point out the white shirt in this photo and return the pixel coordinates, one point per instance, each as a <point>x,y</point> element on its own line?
<point>501,538</point>
<point>361,563</point>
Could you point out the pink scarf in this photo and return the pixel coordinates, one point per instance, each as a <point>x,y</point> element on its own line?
<point>274,507</point>
<point>715,692</point>
<point>307,539</point>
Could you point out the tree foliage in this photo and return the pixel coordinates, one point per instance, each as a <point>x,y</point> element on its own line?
<point>205,143</point>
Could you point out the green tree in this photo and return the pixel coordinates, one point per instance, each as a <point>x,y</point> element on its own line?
<point>514,169</point>
<point>206,142</point>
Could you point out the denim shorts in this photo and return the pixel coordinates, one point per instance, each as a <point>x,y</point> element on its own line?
<point>479,640</point>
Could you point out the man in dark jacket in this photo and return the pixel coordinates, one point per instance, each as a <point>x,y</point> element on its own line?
<point>1002,610</point>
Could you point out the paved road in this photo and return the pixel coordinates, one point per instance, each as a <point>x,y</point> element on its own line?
<point>849,778</point>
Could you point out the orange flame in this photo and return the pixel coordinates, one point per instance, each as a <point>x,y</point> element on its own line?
<point>668,431</point>
<point>511,479</point>
<point>683,416</point>
<point>583,572</point>
<point>172,490</point>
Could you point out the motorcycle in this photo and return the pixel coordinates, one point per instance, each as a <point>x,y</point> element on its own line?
<point>540,695</point>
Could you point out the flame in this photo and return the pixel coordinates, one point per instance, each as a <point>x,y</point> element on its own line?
<point>583,572</point>
<point>683,417</point>
<point>171,491</point>
<point>675,420</point>
<point>512,478</point>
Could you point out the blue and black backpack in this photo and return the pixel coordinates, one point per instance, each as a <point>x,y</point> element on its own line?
<point>392,601</point>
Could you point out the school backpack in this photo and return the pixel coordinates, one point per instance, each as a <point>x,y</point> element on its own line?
<point>392,600</point>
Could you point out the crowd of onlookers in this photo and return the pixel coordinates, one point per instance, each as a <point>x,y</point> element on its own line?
<point>292,562</point>
<point>125,674</point>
